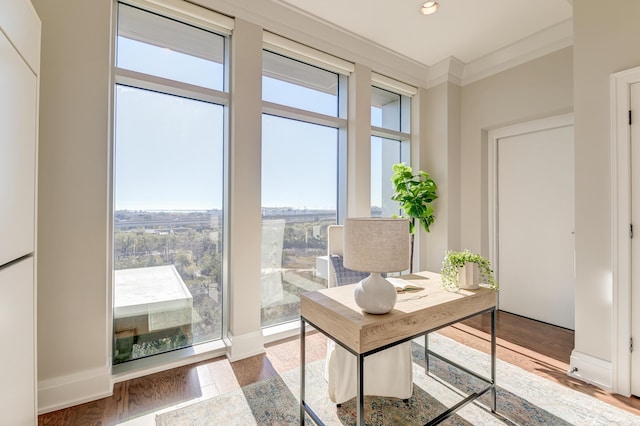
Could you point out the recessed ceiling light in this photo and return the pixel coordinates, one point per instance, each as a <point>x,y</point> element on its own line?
<point>429,7</point>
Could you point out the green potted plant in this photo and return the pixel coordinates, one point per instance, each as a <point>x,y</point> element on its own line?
<point>455,261</point>
<point>414,193</point>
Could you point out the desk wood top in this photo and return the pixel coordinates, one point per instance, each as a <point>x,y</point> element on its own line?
<point>334,310</point>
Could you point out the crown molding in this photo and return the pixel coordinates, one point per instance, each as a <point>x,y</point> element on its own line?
<point>449,69</point>
<point>535,46</point>
<point>291,22</point>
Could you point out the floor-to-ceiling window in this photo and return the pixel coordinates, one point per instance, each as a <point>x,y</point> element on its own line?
<point>170,120</point>
<point>390,136</point>
<point>169,134</point>
<point>303,130</point>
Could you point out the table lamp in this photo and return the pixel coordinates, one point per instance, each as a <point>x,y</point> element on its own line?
<point>376,245</point>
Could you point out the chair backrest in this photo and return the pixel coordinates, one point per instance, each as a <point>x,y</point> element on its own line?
<point>335,246</point>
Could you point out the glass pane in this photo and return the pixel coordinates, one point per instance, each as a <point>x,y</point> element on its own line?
<point>385,109</point>
<point>165,48</point>
<point>167,223</point>
<point>292,83</point>
<point>299,184</point>
<point>384,154</point>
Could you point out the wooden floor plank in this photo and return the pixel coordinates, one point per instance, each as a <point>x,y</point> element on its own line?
<point>537,347</point>
<point>253,369</point>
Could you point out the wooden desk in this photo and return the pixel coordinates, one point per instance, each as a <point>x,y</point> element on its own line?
<point>334,313</point>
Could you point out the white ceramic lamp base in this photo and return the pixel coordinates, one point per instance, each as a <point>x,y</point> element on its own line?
<point>375,295</point>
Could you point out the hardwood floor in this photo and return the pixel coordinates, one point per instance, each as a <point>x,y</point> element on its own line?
<point>536,347</point>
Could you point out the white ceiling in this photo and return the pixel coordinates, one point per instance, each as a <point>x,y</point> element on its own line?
<point>466,30</point>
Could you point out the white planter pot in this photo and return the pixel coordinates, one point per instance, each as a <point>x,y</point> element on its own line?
<point>469,276</point>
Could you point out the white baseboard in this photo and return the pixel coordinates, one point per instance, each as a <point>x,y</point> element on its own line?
<point>245,345</point>
<point>167,360</point>
<point>78,388</point>
<point>590,369</point>
<point>283,331</point>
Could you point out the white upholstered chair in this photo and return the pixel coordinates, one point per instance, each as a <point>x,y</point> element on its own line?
<point>387,373</point>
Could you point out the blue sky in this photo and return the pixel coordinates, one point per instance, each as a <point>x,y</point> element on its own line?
<point>168,151</point>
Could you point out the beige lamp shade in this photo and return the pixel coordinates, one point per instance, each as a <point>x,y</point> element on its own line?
<point>376,244</point>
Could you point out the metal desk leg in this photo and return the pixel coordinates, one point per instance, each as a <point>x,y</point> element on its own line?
<point>360,390</point>
<point>493,360</point>
<point>426,354</point>
<point>302,370</point>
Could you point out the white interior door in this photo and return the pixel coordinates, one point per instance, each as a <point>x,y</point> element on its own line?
<point>635,242</point>
<point>535,223</point>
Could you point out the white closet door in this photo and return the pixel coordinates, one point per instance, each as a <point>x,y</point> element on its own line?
<point>18,112</point>
<point>19,68</point>
<point>17,374</point>
<point>535,225</point>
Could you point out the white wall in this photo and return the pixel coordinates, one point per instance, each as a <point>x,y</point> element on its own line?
<point>243,197</point>
<point>359,143</point>
<point>605,42</point>
<point>73,299</point>
<point>439,156</point>
<point>540,88</point>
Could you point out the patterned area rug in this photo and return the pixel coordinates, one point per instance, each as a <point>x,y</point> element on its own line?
<point>522,398</point>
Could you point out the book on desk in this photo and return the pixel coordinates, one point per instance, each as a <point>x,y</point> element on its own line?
<point>404,285</point>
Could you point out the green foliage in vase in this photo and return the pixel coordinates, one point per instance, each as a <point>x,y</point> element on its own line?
<point>414,193</point>
<point>454,260</point>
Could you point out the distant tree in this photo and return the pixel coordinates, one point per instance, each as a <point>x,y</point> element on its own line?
<point>183,261</point>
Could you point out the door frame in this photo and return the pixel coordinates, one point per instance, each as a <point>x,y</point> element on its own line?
<point>620,221</point>
<point>548,123</point>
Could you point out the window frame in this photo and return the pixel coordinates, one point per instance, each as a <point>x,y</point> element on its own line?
<point>210,21</point>
<point>185,14</point>
<point>296,52</point>
<point>403,136</point>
